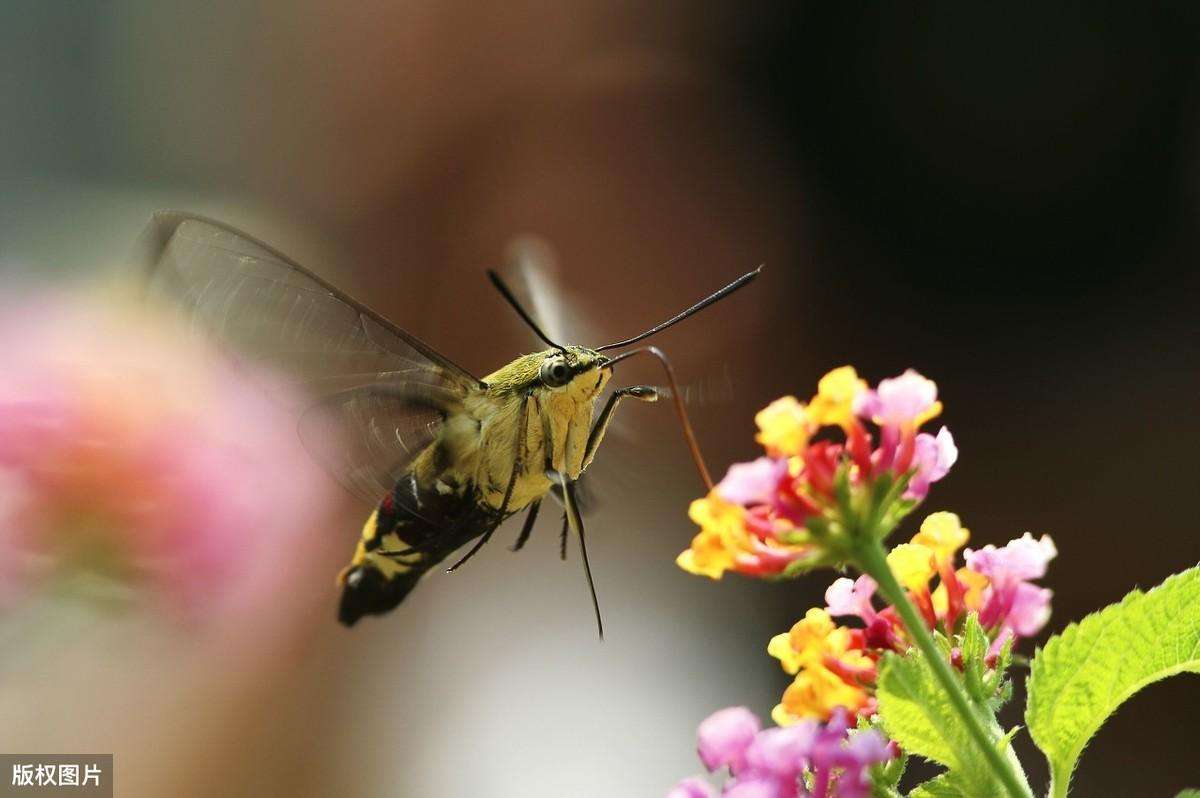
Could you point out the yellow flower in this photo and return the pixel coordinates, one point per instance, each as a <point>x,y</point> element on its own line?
<point>722,535</point>
<point>806,651</point>
<point>808,641</point>
<point>812,639</point>
<point>912,564</point>
<point>833,404</point>
<point>783,427</point>
<point>706,557</point>
<point>944,534</point>
<point>815,693</point>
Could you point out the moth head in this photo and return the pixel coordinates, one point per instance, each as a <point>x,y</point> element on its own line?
<point>560,366</point>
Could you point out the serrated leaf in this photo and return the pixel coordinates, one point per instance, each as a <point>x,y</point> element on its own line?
<point>973,647</point>
<point>1085,673</point>
<point>941,787</point>
<point>917,714</point>
<point>885,778</point>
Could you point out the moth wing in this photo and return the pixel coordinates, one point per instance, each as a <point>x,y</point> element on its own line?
<point>531,269</point>
<point>377,390</point>
<point>368,437</point>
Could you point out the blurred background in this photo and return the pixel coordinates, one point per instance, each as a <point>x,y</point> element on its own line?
<point>1003,197</point>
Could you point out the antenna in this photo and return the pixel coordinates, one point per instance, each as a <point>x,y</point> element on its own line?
<point>512,300</point>
<point>696,308</point>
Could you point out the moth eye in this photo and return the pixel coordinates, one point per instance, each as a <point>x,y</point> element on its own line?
<point>554,372</point>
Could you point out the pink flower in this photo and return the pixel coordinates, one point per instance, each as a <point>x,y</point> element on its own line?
<point>832,751</point>
<point>1030,609</point>
<point>932,457</point>
<point>757,788</point>
<point>862,749</point>
<point>780,762</point>
<point>692,787</point>
<point>1010,601</point>
<point>903,401</point>
<point>846,597</point>
<point>782,753</point>
<point>127,448</point>
<point>1020,559</point>
<point>755,482</point>
<point>724,737</point>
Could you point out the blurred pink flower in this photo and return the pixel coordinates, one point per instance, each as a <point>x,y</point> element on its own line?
<point>836,748</point>
<point>756,482</point>
<point>692,787</point>
<point>128,448</point>
<point>780,762</point>
<point>904,401</point>
<point>755,788</point>
<point>781,754</point>
<point>723,737</point>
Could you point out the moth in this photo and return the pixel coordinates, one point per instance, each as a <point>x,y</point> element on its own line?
<point>445,457</point>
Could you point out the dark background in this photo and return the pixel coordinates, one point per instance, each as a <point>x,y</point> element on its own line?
<point>1002,197</point>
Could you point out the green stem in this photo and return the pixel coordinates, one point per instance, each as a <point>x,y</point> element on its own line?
<point>871,558</point>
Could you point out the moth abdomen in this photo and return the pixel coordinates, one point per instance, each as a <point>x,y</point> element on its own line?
<point>366,591</point>
<point>411,531</point>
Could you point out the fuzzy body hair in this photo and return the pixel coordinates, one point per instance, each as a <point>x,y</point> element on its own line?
<point>478,444</point>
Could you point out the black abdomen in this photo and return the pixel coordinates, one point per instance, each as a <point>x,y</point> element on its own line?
<point>411,531</point>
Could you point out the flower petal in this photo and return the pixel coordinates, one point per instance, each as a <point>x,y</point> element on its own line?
<point>755,482</point>
<point>784,427</point>
<point>913,565</point>
<point>692,787</point>
<point>724,736</point>
<point>905,401</point>
<point>944,533</point>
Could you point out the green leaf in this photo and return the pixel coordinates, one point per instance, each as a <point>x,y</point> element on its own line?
<point>1189,794</point>
<point>917,714</point>
<point>1084,674</point>
<point>885,777</point>
<point>943,786</point>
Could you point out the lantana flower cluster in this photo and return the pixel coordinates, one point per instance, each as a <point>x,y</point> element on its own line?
<point>806,760</point>
<point>835,665</point>
<point>793,509</point>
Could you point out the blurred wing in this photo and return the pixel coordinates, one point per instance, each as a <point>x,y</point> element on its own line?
<point>531,270</point>
<point>377,389</point>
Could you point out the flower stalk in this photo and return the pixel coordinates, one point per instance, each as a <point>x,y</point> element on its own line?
<point>870,557</point>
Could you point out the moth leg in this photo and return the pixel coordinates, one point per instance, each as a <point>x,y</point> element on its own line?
<point>527,529</point>
<point>644,393</point>
<point>575,522</point>
<point>556,490</point>
<point>517,469</point>
<point>547,438</point>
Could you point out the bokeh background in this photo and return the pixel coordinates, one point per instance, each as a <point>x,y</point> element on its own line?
<point>1004,197</point>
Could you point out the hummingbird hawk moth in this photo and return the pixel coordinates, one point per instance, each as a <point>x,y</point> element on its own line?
<point>443,455</point>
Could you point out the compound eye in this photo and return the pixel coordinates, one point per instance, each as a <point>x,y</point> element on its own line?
<point>554,372</point>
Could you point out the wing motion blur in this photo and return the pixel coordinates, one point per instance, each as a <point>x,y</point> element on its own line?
<point>372,388</point>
